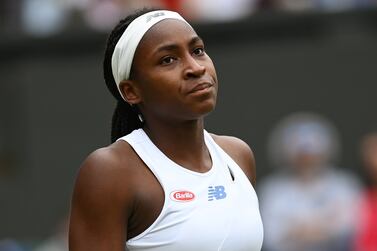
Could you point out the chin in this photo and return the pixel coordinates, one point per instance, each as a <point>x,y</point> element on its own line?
<point>206,108</point>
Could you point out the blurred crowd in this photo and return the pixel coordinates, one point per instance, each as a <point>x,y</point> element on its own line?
<point>47,17</point>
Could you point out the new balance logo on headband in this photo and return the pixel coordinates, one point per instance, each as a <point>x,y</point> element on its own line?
<point>216,192</point>
<point>154,15</point>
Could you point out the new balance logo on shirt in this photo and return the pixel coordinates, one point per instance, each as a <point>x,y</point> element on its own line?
<point>216,193</point>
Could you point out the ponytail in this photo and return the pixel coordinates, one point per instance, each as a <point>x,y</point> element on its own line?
<point>125,120</point>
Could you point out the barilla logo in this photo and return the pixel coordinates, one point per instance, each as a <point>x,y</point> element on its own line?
<point>182,196</point>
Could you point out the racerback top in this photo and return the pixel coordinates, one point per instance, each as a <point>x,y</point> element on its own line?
<point>213,211</point>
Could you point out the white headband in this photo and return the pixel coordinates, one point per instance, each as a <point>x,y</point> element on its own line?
<point>124,51</point>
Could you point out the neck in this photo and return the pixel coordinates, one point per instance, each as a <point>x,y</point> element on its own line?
<point>183,143</point>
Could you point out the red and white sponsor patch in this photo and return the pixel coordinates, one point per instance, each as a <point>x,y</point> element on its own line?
<point>182,196</point>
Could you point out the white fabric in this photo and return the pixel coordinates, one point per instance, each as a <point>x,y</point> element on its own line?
<point>227,221</point>
<point>124,51</point>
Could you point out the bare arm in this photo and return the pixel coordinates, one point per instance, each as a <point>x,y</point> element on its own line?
<point>240,152</point>
<point>100,206</point>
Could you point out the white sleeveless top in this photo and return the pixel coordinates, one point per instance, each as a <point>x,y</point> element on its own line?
<point>212,211</point>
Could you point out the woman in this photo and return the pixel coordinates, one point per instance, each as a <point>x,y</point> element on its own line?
<point>308,202</point>
<point>168,184</point>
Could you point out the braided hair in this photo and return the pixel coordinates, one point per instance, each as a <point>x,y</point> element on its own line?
<point>126,117</point>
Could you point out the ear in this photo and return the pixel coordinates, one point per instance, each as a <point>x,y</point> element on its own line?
<point>130,91</point>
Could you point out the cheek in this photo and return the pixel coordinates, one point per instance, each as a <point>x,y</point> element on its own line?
<point>211,69</point>
<point>160,90</point>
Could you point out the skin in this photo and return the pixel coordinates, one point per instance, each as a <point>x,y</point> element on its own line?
<point>174,83</point>
<point>369,157</point>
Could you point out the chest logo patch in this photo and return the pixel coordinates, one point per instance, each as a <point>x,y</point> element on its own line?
<point>182,196</point>
<point>216,193</point>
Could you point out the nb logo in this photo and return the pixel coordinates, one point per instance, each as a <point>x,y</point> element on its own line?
<point>158,14</point>
<point>216,192</point>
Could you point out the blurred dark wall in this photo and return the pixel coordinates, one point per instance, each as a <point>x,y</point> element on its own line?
<point>55,108</point>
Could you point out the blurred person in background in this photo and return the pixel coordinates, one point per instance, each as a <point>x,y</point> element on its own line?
<point>48,17</point>
<point>321,5</point>
<point>366,234</point>
<point>218,10</point>
<point>43,17</point>
<point>308,204</point>
<point>102,15</point>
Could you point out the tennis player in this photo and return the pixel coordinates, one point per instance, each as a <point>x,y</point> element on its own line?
<point>165,183</point>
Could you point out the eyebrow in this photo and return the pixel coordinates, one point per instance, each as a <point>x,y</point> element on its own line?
<point>173,46</point>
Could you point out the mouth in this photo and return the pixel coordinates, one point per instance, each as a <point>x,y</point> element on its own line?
<point>203,86</point>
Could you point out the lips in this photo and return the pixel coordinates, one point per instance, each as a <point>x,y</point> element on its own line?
<point>201,86</point>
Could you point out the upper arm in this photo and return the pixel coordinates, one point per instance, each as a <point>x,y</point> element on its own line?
<point>241,153</point>
<point>100,205</point>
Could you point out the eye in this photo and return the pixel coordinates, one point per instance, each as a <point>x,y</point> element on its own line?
<point>199,51</point>
<point>167,60</point>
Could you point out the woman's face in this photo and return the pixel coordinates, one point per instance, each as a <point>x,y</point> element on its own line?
<point>175,77</point>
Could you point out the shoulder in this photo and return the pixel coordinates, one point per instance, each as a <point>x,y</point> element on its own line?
<point>240,152</point>
<point>103,198</point>
<point>106,172</point>
<point>233,144</point>
<point>111,160</point>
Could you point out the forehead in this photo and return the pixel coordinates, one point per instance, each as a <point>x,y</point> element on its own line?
<point>166,31</point>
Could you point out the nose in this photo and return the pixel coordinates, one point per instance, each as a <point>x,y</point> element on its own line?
<point>193,68</point>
